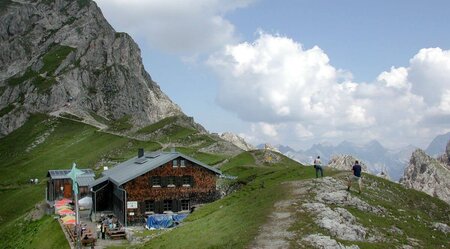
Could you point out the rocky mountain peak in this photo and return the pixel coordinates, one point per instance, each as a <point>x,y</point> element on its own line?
<point>447,154</point>
<point>345,162</point>
<point>62,56</point>
<point>427,174</point>
<point>237,140</point>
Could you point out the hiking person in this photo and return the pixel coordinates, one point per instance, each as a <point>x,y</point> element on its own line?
<point>103,231</point>
<point>99,230</point>
<point>318,167</point>
<point>356,177</point>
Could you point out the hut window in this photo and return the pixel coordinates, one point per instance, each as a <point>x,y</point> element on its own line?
<point>171,181</point>
<point>156,181</point>
<point>184,205</point>
<point>183,163</point>
<point>167,205</point>
<point>149,206</point>
<point>186,181</point>
<point>175,163</point>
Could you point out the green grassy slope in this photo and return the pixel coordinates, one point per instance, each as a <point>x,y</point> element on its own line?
<point>408,219</point>
<point>45,143</point>
<point>233,221</point>
<point>411,211</point>
<point>43,233</point>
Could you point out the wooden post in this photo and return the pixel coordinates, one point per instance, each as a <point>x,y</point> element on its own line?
<point>77,223</point>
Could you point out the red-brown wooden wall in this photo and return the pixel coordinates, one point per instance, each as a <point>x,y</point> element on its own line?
<point>203,189</point>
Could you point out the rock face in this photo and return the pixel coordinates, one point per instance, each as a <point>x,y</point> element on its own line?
<point>437,145</point>
<point>63,56</point>
<point>427,174</point>
<point>345,162</point>
<point>238,141</point>
<point>447,152</point>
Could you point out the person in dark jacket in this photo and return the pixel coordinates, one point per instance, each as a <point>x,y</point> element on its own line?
<point>103,231</point>
<point>355,177</point>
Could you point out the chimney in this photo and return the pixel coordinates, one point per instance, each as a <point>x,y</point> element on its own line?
<point>140,152</point>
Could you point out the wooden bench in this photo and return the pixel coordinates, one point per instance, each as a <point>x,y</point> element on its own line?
<point>71,232</point>
<point>88,241</point>
<point>117,234</point>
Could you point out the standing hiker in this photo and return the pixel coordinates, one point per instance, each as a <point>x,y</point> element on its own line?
<point>356,177</point>
<point>103,231</point>
<point>318,166</point>
<point>99,230</point>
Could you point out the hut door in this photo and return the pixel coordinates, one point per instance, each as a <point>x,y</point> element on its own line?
<point>67,190</point>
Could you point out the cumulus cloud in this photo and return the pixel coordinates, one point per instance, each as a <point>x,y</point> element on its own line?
<point>429,74</point>
<point>276,79</point>
<point>268,130</point>
<point>289,92</point>
<point>297,92</point>
<point>179,26</point>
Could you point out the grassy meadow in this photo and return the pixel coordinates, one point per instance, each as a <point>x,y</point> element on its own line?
<point>233,221</point>
<point>45,143</point>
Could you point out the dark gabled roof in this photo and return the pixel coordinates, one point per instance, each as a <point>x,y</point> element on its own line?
<point>83,180</point>
<point>135,167</point>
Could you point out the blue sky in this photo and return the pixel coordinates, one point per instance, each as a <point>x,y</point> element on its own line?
<point>299,72</point>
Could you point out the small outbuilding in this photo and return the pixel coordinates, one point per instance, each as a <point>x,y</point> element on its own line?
<point>154,183</point>
<point>59,185</point>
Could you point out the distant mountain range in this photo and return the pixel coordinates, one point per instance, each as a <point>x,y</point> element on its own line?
<point>373,154</point>
<point>437,146</point>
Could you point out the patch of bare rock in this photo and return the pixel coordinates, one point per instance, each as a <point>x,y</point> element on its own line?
<point>326,201</point>
<point>325,242</point>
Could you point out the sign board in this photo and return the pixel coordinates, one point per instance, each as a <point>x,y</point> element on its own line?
<point>132,204</point>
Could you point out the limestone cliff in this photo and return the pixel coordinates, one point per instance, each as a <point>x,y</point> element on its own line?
<point>237,140</point>
<point>345,162</point>
<point>62,56</point>
<point>429,175</point>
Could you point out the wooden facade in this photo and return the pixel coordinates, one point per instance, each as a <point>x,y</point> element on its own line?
<point>60,186</point>
<point>159,182</point>
<point>170,189</point>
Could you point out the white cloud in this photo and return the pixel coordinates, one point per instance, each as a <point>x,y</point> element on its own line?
<point>396,78</point>
<point>276,79</point>
<point>289,92</point>
<point>429,74</point>
<point>266,129</point>
<point>302,132</point>
<point>297,93</point>
<point>444,105</point>
<point>179,26</point>
<point>358,115</point>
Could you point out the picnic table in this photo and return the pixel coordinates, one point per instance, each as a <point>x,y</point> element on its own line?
<point>116,233</point>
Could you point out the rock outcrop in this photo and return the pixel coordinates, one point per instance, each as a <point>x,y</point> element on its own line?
<point>62,56</point>
<point>447,152</point>
<point>237,140</point>
<point>429,175</point>
<point>345,162</point>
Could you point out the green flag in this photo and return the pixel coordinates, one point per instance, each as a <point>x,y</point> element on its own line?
<point>73,175</point>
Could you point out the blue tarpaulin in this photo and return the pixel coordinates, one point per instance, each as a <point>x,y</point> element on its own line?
<point>159,221</point>
<point>179,217</point>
